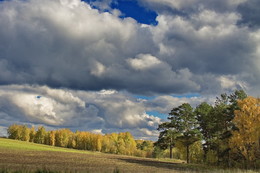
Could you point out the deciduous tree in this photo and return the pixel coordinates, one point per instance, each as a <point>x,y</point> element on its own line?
<point>246,139</point>
<point>40,135</point>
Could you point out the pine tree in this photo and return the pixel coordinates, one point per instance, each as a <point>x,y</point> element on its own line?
<point>167,138</point>
<point>183,127</point>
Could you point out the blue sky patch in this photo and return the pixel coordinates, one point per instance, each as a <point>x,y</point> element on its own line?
<point>186,95</point>
<point>131,8</point>
<point>157,114</point>
<point>144,97</point>
<point>134,10</point>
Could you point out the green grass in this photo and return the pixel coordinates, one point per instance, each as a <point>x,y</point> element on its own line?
<point>25,157</point>
<point>28,146</point>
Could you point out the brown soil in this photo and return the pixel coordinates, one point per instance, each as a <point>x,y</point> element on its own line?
<point>77,162</point>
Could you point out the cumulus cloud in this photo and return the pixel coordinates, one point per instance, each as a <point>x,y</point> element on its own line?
<point>204,44</point>
<point>101,4</point>
<point>100,112</point>
<point>190,6</point>
<point>66,44</point>
<point>250,13</point>
<point>143,62</point>
<point>165,103</point>
<point>70,44</point>
<point>210,45</point>
<point>96,60</point>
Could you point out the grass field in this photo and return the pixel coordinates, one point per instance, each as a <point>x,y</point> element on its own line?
<point>29,157</point>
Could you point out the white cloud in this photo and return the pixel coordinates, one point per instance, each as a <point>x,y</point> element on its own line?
<point>72,45</point>
<point>107,92</point>
<point>165,103</point>
<point>143,62</point>
<point>98,69</point>
<point>147,132</point>
<point>210,45</point>
<point>179,4</point>
<point>256,38</point>
<point>70,3</point>
<point>97,131</point>
<point>98,112</point>
<point>101,112</point>
<point>231,83</point>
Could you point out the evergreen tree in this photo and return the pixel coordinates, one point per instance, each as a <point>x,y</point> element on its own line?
<point>207,122</point>
<point>224,110</point>
<point>183,127</point>
<point>183,120</point>
<point>167,137</point>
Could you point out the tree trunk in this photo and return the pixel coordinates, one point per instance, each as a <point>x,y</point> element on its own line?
<point>205,154</point>
<point>170,152</point>
<point>229,163</point>
<point>188,153</point>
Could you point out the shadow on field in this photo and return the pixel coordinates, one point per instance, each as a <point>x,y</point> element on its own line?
<point>158,164</point>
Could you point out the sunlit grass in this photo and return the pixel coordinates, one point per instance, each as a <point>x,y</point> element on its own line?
<point>28,146</point>
<point>24,157</point>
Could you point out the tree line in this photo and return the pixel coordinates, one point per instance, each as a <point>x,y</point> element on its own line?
<point>226,133</point>
<point>116,143</point>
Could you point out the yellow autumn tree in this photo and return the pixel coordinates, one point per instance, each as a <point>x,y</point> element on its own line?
<point>32,134</point>
<point>62,137</point>
<point>52,138</point>
<point>72,141</point>
<point>105,144</point>
<point>245,140</point>
<point>14,132</point>
<point>25,133</point>
<point>98,142</point>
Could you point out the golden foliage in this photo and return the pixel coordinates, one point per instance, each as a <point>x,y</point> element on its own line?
<point>246,139</point>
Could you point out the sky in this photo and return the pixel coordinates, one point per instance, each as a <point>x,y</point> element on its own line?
<point>119,65</point>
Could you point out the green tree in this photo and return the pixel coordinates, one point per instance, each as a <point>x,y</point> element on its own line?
<point>146,146</point>
<point>224,110</point>
<point>207,123</point>
<point>167,137</point>
<point>216,126</point>
<point>184,121</point>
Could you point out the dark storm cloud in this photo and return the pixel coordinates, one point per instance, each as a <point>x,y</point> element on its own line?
<point>187,7</point>
<point>50,43</point>
<point>250,12</point>
<point>205,44</point>
<point>67,44</point>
